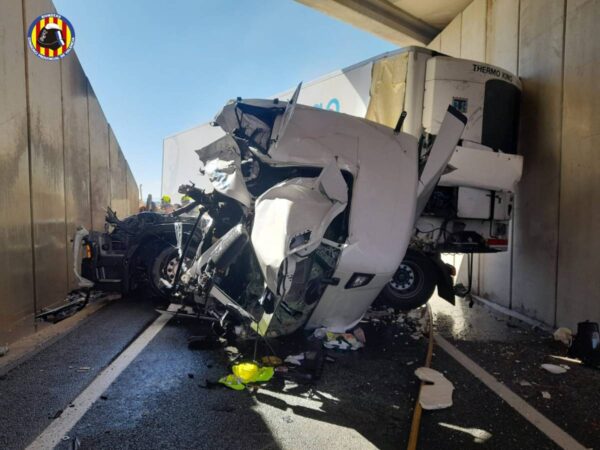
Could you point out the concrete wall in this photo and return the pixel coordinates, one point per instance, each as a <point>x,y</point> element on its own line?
<point>549,274</point>
<point>59,166</point>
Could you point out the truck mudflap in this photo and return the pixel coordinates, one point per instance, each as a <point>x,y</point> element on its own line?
<point>445,284</point>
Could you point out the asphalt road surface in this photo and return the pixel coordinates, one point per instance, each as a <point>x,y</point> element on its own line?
<point>166,397</point>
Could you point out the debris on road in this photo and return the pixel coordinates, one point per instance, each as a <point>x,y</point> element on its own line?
<point>564,335</point>
<point>546,395</point>
<point>3,350</point>
<point>437,395</point>
<point>479,436</point>
<point>553,368</point>
<point>295,359</point>
<point>56,415</point>
<point>231,350</point>
<point>525,383</point>
<point>360,335</point>
<point>341,341</point>
<point>245,373</point>
<point>273,361</point>
<point>414,321</point>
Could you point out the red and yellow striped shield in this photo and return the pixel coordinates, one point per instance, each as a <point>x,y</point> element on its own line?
<point>51,36</point>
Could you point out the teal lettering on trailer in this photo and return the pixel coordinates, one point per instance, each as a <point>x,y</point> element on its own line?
<point>332,105</point>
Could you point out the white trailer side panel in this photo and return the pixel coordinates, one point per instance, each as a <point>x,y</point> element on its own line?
<point>180,162</point>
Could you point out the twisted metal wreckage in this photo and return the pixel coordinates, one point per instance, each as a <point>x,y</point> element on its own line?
<point>312,213</point>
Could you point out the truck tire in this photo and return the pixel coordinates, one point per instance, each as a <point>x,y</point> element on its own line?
<point>412,285</point>
<point>163,265</point>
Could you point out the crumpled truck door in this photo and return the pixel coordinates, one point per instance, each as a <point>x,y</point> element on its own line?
<point>450,132</point>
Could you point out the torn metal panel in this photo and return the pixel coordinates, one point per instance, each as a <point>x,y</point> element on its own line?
<point>291,218</point>
<point>252,120</point>
<point>222,165</point>
<point>449,133</point>
<point>477,168</point>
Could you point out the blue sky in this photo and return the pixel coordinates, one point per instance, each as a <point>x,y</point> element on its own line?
<point>160,67</point>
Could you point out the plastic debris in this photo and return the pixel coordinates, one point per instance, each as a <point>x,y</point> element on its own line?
<point>360,335</point>
<point>546,395</point>
<point>437,395</point>
<point>341,341</point>
<point>232,353</point>
<point>320,333</point>
<point>480,436</point>
<point>553,368</point>
<point>295,359</point>
<point>232,382</point>
<point>250,372</point>
<point>246,372</point>
<point>564,335</point>
<point>231,350</point>
<point>272,361</point>
<point>3,350</point>
<point>525,383</point>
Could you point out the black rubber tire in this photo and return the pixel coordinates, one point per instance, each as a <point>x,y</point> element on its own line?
<point>413,283</point>
<point>158,266</point>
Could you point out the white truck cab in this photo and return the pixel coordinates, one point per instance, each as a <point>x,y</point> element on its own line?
<point>469,209</point>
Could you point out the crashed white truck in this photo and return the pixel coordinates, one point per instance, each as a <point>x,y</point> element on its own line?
<point>315,213</point>
<point>326,208</point>
<point>470,208</point>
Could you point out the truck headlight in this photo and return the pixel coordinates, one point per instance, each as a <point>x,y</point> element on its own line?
<point>359,280</point>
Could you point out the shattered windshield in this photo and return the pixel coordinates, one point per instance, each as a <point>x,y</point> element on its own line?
<point>251,121</point>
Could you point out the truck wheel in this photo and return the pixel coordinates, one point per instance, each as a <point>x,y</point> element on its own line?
<point>412,285</point>
<point>164,266</point>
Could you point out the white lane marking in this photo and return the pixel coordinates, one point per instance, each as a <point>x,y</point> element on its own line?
<point>557,434</point>
<point>61,426</point>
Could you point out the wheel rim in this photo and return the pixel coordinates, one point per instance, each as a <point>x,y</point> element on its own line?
<point>170,268</point>
<point>407,279</point>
